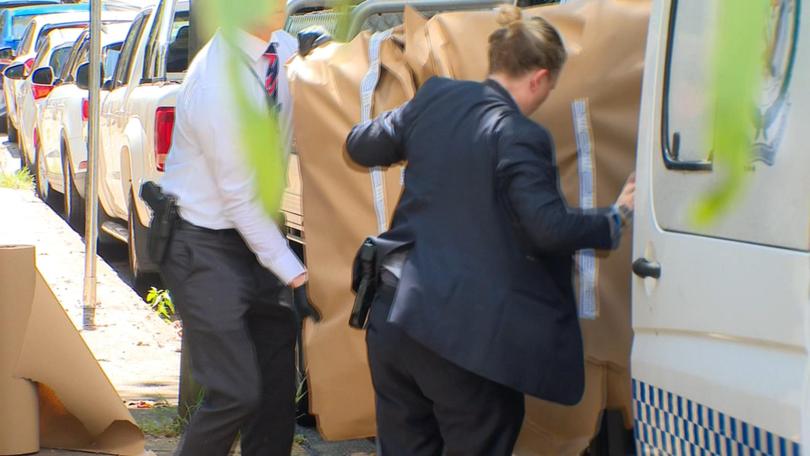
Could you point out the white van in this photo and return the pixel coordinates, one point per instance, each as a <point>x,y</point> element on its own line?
<point>721,335</point>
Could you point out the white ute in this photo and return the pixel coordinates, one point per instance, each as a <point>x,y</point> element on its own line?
<point>137,120</point>
<point>62,121</point>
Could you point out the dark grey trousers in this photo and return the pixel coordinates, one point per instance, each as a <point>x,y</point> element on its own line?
<point>428,406</point>
<point>241,341</point>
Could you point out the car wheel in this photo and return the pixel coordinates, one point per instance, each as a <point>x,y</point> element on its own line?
<point>12,132</point>
<point>143,270</point>
<point>44,190</point>
<point>73,202</point>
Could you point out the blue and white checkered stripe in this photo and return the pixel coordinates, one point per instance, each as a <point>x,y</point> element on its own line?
<point>668,424</point>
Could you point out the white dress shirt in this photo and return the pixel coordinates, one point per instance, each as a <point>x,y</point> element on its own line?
<point>207,169</point>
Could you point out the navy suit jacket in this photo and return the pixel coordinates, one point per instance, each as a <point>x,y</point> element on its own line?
<point>488,281</point>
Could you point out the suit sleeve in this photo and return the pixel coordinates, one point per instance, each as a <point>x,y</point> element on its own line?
<point>379,142</point>
<point>528,181</point>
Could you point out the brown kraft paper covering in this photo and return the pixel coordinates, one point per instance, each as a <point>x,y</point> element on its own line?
<point>52,390</point>
<point>339,214</point>
<point>606,43</point>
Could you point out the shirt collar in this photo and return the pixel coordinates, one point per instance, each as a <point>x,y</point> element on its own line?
<point>252,46</point>
<point>501,90</point>
<point>284,39</point>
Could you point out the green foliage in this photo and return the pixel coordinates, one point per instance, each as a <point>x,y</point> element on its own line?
<point>161,303</point>
<point>737,62</point>
<point>20,180</point>
<point>159,421</point>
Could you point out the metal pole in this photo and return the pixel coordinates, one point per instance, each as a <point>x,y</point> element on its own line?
<point>91,193</point>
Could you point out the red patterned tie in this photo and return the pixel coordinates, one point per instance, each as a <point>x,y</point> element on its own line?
<point>271,79</point>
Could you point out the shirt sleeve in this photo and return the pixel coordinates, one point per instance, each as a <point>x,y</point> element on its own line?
<point>218,131</point>
<point>528,181</point>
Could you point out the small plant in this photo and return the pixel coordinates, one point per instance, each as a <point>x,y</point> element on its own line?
<point>19,180</point>
<point>161,303</point>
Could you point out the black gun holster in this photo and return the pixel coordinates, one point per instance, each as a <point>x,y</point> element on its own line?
<point>164,219</point>
<point>366,276</point>
<point>364,282</point>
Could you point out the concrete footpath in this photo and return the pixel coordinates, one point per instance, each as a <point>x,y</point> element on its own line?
<point>139,352</point>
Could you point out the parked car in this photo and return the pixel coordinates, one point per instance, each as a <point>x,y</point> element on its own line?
<point>25,54</point>
<point>14,18</point>
<point>13,21</point>
<point>61,123</point>
<point>36,31</point>
<point>137,119</point>
<point>18,87</point>
<point>51,57</point>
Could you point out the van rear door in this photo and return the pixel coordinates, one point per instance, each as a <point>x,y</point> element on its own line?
<point>720,312</point>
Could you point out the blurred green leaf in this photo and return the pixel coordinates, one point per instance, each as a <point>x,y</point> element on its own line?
<point>738,62</point>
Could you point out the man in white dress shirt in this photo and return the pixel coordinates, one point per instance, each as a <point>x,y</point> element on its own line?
<point>228,263</point>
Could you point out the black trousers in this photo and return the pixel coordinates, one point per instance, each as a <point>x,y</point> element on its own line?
<point>241,341</point>
<point>429,406</point>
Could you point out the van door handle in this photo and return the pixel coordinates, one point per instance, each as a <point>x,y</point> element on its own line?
<point>644,268</point>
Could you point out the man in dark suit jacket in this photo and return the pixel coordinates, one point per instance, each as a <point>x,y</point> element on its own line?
<point>477,306</point>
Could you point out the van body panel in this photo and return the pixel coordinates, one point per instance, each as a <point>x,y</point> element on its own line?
<point>719,357</point>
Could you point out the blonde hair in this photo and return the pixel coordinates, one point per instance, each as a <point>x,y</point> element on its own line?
<point>522,45</point>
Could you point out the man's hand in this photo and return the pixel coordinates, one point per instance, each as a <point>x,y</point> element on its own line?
<point>626,201</point>
<point>303,308</point>
<point>299,281</point>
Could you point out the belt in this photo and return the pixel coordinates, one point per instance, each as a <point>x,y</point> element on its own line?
<point>186,225</point>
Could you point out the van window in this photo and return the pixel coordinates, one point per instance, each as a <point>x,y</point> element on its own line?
<point>773,209</point>
<point>124,66</point>
<point>687,75</point>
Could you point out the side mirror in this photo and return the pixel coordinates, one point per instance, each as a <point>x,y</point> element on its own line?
<point>83,76</point>
<point>43,76</point>
<point>6,53</point>
<point>15,71</point>
<point>108,85</point>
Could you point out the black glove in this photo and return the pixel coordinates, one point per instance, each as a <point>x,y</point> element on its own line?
<point>302,306</point>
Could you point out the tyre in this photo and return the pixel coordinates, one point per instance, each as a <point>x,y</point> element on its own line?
<point>43,188</point>
<point>12,132</point>
<point>142,268</point>
<point>73,202</point>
